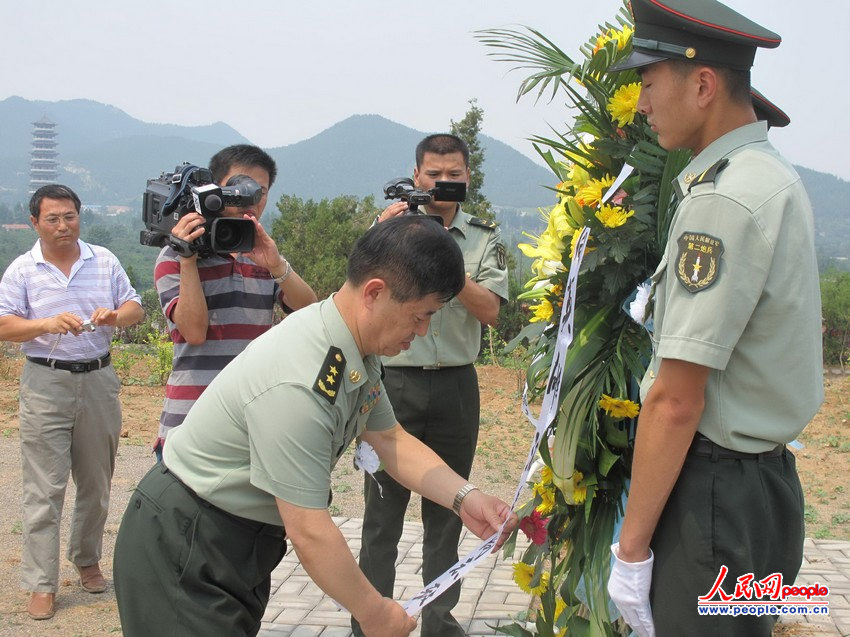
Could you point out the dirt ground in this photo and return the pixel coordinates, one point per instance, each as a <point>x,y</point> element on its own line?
<point>824,465</point>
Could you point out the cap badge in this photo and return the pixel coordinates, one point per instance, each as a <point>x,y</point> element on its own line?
<point>690,52</point>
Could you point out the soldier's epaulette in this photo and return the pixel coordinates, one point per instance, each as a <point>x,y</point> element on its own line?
<point>710,173</point>
<point>330,376</point>
<point>483,223</point>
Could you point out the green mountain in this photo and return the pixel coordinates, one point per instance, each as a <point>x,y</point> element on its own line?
<point>360,154</point>
<point>107,156</point>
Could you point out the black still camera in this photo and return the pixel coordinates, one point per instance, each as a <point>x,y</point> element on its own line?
<point>403,188</point>
<point>191,188</point>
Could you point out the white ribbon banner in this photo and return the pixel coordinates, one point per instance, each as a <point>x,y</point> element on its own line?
<point>549,406</point>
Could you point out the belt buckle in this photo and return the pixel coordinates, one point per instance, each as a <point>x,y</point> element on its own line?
<point>78,368</point>
<point>431,367</point>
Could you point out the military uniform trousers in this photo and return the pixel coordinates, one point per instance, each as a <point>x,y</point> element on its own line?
<point>69,425</point>
<point>184,567</point>
<point>440,408</point>
<point>744,513</point>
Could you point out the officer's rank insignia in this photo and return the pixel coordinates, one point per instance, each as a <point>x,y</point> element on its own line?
<point>328,381</point>
<point>482,223</point>
<point>708,176</point>
<point>501,257</point>
<point>697,266</point>
<point>371,398</point>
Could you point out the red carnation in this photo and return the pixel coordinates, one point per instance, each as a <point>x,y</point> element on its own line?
<point>534,527</point>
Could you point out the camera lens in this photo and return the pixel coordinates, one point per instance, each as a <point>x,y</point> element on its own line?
<point>226,237</point>
<point>232,235</point>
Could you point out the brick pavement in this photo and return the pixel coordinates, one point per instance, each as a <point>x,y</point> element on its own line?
<point>489,596</point>
<point>298,608</point>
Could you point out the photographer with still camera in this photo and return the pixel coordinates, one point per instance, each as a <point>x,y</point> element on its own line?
<point>217,299</point>
<point>61,301</point>
<point>433,386</point>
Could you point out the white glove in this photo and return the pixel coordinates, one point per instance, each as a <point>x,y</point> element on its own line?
<point>628,587</point>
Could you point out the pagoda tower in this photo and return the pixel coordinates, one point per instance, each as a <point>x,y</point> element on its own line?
<point>43,164</point>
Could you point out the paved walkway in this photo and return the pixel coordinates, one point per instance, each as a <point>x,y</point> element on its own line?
<point>299,609</point>
<point>489,596</point>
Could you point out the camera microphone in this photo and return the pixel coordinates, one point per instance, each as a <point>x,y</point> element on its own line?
<point>213,203</point>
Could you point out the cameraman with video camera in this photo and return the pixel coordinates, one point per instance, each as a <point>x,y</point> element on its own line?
<point>215,305</point>
<point>433,386</point>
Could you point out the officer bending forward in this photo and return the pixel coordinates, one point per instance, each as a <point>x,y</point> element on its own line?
<point>251,465</point>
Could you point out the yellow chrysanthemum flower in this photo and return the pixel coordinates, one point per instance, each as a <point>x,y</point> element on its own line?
<point>591,193</point>
<point>547,495</point>
<point>546,475</point>
<point>524,574</point>
<point>543,311</point>
<point>574,241</point>
<point>613,216</point>
<point>623,103</point>
<point>579,490</point>
<point>617,408</point>
<point>622,38</point>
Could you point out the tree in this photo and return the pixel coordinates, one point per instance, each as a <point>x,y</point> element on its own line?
<point>134,278</point>
<point>835,303</point>
<point>99,235</point>
<point>316,237</point>
<point>467,129</point>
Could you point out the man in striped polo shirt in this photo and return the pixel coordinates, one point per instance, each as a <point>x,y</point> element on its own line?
<point>62,301</point>
<point>216,305</point>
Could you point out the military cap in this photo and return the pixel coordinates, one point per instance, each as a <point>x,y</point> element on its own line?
<point>699,30</point>
<point>768,111</point>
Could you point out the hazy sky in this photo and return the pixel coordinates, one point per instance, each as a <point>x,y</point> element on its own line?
<point>282,71</point>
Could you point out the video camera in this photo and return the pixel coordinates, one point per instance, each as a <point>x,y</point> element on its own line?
<point>403,188</point>
<point>191,188</point>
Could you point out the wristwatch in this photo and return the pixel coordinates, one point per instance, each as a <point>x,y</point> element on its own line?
<point>287,270</point>
<point>460,495</point>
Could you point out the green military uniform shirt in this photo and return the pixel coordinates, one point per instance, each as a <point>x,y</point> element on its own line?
<point>454,334</point>
<point>276,420</point>
<point>737,291</point>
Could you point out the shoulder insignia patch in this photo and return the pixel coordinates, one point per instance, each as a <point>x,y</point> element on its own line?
<point>710,174</point>
<point>330,375</point>
<point>482,223</point>
<point>697,265</point>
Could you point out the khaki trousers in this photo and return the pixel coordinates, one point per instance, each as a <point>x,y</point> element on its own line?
<point>69,424</point>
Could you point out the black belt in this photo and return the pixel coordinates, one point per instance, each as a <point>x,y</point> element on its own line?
<point>75,367</point>
<point>432,368</point>
<point>702,446</point>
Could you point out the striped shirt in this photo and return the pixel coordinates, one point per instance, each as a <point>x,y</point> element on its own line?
<point>32,288</point>
<point>240,299</point>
